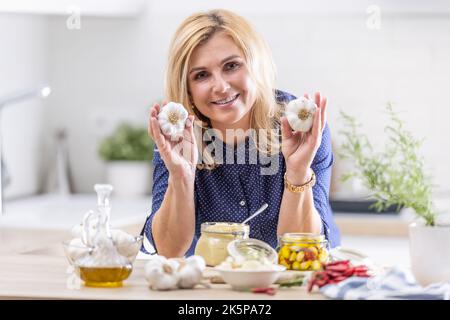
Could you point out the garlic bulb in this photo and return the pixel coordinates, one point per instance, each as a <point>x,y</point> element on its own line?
<point>125,243</point>
<point>76,249</point>
<point>152,273</point>
<point>153,269</point>
<point>189,275</point>
<point>197,261</point>
<point>300,114</point>
<point>166,274</point>
<point>190,272</point>
<point>160,273</point>
<point>103,254</point>
<point>172,119</point>
<point>165,281</point>
<point>77,231</point>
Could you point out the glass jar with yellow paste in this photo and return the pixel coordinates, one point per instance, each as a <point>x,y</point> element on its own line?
<point>215,236</point>
<point>302,251</point>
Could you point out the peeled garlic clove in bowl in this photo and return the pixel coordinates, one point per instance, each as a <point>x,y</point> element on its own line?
<point>172,119</point>
<point>300,114</point>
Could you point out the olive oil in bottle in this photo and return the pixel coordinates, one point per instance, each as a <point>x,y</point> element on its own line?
<point>104,277</point>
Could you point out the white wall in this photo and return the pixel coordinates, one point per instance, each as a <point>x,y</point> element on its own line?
<point>106,72</point>
<point>112,69</point>
<point>23,65</point>
<point>116,67</point>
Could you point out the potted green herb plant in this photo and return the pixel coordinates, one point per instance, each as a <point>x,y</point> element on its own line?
<point>128,153</point>
<point>396,176</point>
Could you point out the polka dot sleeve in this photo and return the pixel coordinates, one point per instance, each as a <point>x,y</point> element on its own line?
<point>160,183</point>
<point>322,167</point>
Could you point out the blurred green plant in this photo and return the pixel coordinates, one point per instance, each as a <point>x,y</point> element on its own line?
<point>396,174</point>
<point>127,143</point>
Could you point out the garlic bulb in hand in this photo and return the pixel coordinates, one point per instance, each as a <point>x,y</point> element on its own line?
<point>172,119</point>
<point>300,114</point>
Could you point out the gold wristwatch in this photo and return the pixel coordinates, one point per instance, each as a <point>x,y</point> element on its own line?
<point>297,189</point>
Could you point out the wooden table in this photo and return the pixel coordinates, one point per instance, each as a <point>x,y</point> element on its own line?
<point>38,276</point>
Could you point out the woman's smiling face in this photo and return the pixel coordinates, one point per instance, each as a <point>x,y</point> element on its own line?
<point>219,83</point>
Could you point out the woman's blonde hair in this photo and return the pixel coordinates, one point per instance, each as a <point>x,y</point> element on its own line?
<point>197,30</point>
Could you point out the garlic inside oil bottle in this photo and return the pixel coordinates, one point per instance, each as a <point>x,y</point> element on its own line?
<point>104,267</point>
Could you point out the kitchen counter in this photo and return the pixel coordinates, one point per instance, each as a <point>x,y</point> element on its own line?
<point>33,265</point>
<point>44,273</point>
<point>31,276</point>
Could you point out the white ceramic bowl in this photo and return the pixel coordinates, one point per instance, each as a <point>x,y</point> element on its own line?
<point>241,279</point>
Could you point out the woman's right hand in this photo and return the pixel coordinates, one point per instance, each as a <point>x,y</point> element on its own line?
<point>180,157</point>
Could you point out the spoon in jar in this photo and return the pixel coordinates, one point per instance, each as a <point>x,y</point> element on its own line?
<point>263,207</point>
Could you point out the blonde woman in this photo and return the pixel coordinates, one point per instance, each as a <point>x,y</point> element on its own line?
<point>222,72</point>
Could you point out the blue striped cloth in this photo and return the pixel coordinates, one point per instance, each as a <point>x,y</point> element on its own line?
<point>397,283</point>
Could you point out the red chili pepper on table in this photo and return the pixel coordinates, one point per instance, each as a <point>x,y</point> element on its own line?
<point>335,272</point>
<point>269,291</point>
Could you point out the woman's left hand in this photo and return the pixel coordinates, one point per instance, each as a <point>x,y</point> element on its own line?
<point>299,148</point>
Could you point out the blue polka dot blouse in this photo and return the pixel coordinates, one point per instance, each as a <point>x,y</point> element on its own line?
<point>233,191</point>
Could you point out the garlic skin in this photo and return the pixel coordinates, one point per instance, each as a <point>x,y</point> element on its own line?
<point>300,114</point>
<point>172,119</point>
